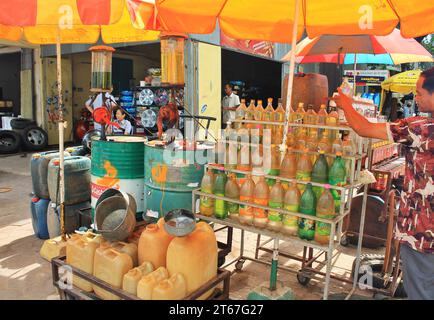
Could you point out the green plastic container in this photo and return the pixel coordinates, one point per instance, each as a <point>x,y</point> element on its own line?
<point>170,176</point>
<point>118,163</point>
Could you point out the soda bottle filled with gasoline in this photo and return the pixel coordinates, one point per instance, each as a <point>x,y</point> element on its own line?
<point>337,177</point>
<point>246,195</point>
<point>291,202</point>
<point>250,114</point>
<point>288,167</point>
<point>333,117</point>
<point>220,209</point>
<point>325,208</point>
<point>324,143</point>
<point>337,144</point>
<point>306,227</point>
<point>310,117</point>
<point>276,202</point>
<point>312,141</point>
<point>301,139</point>
<point>232,190</point>
<point>299,114</point>
<point>322,115</point>
<point>260,197</point>
<point>259,111</point>
<point>272,163</point>
<point>244,162</point>
<point>320,173</point>
<point>304,167</point>
<point>240,113</point>
<point>207,186</point>
<point>279,116</point>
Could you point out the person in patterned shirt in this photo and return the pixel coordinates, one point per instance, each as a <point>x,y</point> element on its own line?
<point>415,223</point>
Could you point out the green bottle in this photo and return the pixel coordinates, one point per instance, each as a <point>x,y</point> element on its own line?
<point>220,210</point>
<point>337,177</point>
<point>320,173</point>
<point>306,227</point>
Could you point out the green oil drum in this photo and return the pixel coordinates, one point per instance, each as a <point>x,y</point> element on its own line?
<point>118,163</point>
<point>171,174</point>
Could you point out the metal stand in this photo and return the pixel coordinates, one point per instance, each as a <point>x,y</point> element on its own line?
<point>327,251</point>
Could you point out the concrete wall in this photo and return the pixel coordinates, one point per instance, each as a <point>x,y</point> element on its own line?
<point>10,67</point>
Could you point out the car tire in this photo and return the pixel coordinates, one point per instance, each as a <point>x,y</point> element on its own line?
<point>10,141</point>
<point>22,123</point>
<point>34,138</point>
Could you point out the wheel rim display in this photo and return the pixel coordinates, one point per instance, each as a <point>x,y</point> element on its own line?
<point>35,137</point>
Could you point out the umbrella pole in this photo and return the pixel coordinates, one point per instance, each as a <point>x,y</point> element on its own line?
<point>354,75</point>
<point>291,74</point>
<point>61,124</point>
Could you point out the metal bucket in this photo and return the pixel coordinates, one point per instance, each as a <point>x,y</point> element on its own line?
<point>118,163</point>
<point>171,174</point>
<point>115,215</point>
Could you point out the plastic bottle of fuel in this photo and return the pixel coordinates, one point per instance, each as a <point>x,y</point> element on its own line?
<point>232,190</point>
<point>291,202</point>
<point>220,209</point>
<point>337,177</point>
<point>304,167</point>
<point>288,167</point>
<point>276,201</point>
<point>306,227</point>
<point>325,208</point>
<point>320,173</point>
<point>301,139</point>
<point>322,116</point>
<point>246,195</point>
<point>207,186</point>
<point>260,197</point>
<point>310,117</point>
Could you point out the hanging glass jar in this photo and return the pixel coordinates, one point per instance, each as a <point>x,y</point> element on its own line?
<point>172,59</point>
<point>101,80</point>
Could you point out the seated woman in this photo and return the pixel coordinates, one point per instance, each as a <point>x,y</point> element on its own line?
<point>125,126</point>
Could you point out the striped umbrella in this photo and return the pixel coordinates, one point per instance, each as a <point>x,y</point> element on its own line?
<point>390,49</point>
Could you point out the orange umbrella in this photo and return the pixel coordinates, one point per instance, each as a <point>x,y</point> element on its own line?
<point>71,21</point>
<point>272,20</point>
<point>67,21</point>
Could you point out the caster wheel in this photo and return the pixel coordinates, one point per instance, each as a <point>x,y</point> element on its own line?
<point>239,265</point>
<point>345,241</point>
<point>302,279</point>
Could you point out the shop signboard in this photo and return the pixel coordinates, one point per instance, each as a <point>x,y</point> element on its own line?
<point>367,77</point>
<point>255,47</point>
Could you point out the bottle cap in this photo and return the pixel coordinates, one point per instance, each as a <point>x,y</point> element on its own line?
<point>323,106</point>
<point>259,101</point>
<point>243,100</point>
<point>56,162</point>
<point>339,154</point>
<point>252,101</point>
<point>321,152</point>
<point>270,100</point>
<point>35,199</point>
<point>327,186</point>
<point>36,156</point>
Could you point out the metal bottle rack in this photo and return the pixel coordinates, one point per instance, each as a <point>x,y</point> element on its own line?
<point>346,192</point>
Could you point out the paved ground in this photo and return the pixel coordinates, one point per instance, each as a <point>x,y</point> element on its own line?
<point>25,275</point>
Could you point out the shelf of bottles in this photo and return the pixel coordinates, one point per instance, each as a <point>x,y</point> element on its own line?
<point>248,135</point>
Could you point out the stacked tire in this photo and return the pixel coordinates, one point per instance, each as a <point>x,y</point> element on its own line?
<point>25,135</point>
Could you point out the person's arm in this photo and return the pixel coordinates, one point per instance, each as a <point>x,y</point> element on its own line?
<point>359,123</point>
<point>88,106</point>
<point>128,128</point>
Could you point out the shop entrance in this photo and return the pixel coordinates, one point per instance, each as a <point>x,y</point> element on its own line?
<point>10,66</point>
<point>252,77</point>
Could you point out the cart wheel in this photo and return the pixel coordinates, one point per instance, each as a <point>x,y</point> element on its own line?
<point>239,265</point>
<point>344,241</point>
<point>302,279</point>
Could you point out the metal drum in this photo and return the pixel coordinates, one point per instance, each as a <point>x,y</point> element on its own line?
<point>118,163</point>
<point>171,174</point>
